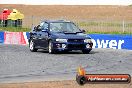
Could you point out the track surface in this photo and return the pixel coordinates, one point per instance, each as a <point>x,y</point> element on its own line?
<point>18,64</point>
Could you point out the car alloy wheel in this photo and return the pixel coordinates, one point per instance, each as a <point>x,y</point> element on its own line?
<point>31,46</point>
<point>86,51</point>
<point>50,47</point>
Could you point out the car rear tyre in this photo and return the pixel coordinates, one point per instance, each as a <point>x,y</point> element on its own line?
<point>32,46</point>
<point>86,51</point>
<point>51,51</point>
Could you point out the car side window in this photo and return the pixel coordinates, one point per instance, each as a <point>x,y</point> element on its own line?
<point>41,25</point>
<point>45,26</point>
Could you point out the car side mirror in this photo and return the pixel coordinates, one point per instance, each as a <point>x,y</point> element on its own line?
<point>83,31</point>
<point>34,28</point>
<point>37,28</point>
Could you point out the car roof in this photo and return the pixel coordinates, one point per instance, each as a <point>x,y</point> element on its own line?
<point>50,21</point>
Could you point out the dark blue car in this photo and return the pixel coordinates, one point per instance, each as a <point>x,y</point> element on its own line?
<point>59,35</point>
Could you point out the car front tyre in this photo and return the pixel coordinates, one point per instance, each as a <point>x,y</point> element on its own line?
<point>32,46</point>
<point>86,51</point>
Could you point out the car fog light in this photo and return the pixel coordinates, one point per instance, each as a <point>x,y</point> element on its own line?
<point>87,46</point>
<point>87,41</point>
<point>58,45</point>
<point>63,45</point>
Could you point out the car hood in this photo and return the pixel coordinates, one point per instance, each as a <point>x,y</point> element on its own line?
<point>71,36</point>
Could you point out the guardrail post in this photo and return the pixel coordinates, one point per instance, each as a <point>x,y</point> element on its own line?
<point>32,20</point>
<point>123,26</point>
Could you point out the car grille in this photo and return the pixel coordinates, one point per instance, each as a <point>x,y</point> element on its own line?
<point>76,46</point>
<point>75,40</point>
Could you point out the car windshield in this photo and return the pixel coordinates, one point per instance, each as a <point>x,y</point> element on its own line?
<point>65,27</point>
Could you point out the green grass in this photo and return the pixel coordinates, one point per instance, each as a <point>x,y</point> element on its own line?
<point>106,27</point>
<point>105,24</point>
<point>109,33</point>
<point>15,29</point>
<point>19,29</point>
<point>117,27</point>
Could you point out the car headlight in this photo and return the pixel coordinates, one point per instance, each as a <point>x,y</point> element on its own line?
<point>87,40</point>
<point>61,40</point>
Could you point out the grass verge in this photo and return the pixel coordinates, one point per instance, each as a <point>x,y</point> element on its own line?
<point>15,29</point>
<point>20,29</point>
<point>123,33</point>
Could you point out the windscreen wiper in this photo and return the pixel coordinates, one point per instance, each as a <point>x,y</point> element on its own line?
<point>66,32</point>
<point>79,32</point>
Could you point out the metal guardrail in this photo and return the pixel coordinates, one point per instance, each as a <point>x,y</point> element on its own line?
<point>90,25</point>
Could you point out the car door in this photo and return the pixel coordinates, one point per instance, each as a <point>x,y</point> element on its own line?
<point>43,35</point>
<point>34,35</point>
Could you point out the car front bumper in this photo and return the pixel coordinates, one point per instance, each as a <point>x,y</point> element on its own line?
<point>72,46</point>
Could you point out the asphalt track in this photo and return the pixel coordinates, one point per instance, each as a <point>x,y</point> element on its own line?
<point>18,64</point>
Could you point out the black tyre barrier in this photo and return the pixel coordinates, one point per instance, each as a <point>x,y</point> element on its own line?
<point>19,22</point>
<point>0,23</point>
<point>15,23</point>
<point>3,23</point>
